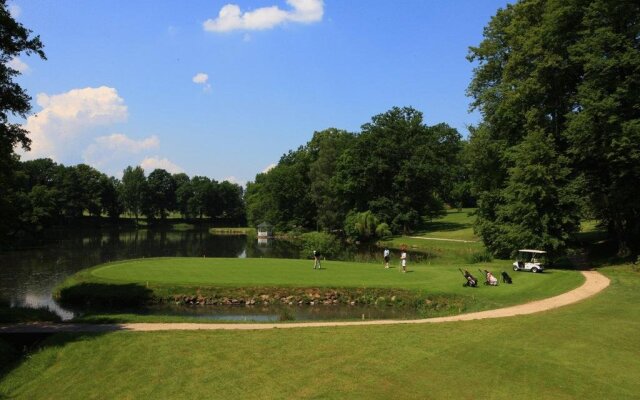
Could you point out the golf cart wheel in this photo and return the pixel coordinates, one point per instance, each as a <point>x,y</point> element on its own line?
<point>515,268</point>
<point>534,269</point>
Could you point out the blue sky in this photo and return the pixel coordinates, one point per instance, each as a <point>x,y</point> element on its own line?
<point>223,89</point>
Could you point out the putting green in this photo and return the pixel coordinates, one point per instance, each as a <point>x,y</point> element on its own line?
<point>237,272</point>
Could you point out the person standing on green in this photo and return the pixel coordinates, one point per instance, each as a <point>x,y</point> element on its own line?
<point>316,259</point>
<point>403,257</point>
<point>386,254</point>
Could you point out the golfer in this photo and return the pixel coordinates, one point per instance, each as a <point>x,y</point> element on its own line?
<point>403,257</point>
<point>316,259</point>
<point>386,258</point>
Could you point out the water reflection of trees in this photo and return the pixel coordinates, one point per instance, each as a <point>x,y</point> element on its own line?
<point>37,268</point>
<point>272,249</point>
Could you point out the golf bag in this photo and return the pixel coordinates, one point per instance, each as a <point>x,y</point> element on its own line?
<point>506,278</point>
<point>471,280</point>
<point>489,278</point>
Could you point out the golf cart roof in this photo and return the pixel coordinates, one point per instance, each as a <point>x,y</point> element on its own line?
<point>533,251</point>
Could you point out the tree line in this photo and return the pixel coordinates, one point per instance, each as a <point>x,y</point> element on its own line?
<point>46,193</point>
<point>385,179</point>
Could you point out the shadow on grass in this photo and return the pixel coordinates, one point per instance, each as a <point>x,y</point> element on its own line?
<point>594,250</point>
<point>16,348</point>
<point>98,295</point>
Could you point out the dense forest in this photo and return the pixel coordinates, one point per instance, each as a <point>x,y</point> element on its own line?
<point>557,83</point>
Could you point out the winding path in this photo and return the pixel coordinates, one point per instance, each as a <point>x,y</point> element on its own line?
<point>594,283</point>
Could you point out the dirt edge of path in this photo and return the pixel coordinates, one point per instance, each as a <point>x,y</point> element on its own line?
<point>594,283</point>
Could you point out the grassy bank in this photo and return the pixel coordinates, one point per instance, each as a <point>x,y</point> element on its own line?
<point>587,351</point>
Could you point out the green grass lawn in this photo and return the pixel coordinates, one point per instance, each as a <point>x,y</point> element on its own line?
<point>456,226</point>
<point>167,276</point>
<point>583,351</point>
<point>299,273</point>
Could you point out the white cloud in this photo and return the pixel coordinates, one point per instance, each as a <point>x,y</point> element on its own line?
<point>106,149</point>
<point>235,180</point>
<point>18,65</point>
<point>15,11</point>
<point>74,124</point>
<point>151,163</point>
<point>120,142</point>
<point>66,117</point>
<point>232,18</point>
<point>200,77</point>
<point>269,168</point>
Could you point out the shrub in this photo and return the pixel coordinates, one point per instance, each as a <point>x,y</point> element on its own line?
<point>360,225</point>
<point>365,226</point>
<point>383,230</point>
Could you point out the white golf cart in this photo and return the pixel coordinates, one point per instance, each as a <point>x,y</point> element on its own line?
<point>530,260</point>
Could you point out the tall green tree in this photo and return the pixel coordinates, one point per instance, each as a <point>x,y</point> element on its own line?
<point>15,40</point>
<point>134,188</point>
<point>604,129</point>
<point>325,149</point>
<point>539,206</point>
<point>41,171</point>
<point>183,193</point>
<point>281,196</point>
<point>110,197</point>
<point>90,181</point>
<point>200,200</point>
<point>161,192</point>
<point>41,207</point>
<point>232,203</point>
<point>259,204</point>
<point>570,69</point>
<point>396,168</point>
<point>461,189</point>
<point>72,192</point>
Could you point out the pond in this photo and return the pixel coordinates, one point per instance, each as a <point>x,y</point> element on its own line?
<point>28,275</point>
